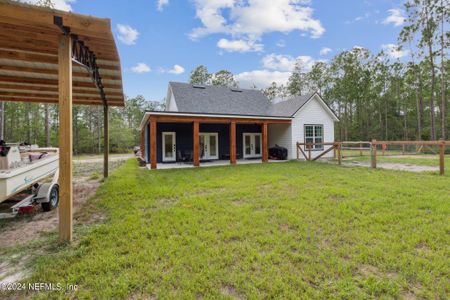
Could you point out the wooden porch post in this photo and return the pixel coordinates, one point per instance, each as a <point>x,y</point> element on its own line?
<point>233,142</point>
<point>105,140</point>
<point>65,138</point>
<point>142,144</point>
<point>196,141</point>
<point>153,127</point>
<point>265,146</point>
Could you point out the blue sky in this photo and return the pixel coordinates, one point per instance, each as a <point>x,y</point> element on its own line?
<point>257,40</point>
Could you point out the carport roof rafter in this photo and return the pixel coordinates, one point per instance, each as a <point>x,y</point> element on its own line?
<point>29,56</point>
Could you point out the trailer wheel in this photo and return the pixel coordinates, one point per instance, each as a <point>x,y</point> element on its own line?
<point>53,199</point>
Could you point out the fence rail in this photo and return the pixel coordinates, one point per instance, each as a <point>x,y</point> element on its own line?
<point>337,147</point>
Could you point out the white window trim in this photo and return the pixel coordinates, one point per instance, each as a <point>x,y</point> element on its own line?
<point>314,137</point>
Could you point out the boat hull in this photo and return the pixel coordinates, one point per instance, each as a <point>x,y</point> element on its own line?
<point>17,180</point>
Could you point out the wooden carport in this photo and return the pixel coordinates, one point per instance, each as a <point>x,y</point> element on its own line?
<point>51,56</point>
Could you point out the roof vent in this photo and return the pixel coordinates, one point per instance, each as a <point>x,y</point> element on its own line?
<point>198,86</point>
<point>235,90</point>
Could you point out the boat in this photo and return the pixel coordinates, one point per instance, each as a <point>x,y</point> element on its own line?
<point>25,168</point>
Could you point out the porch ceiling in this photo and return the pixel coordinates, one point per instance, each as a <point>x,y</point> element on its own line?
<point>29,56</point>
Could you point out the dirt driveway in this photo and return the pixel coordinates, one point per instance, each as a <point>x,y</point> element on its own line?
<point>87,178</point>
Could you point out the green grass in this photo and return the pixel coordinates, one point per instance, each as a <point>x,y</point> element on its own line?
<point>286,230</point>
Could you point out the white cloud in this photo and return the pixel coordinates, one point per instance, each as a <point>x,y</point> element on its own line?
<point>176,69</point>
<point>161,4</point>
<point>325,51</point>
<point>261,78</point>
<point>395,17</point>
<point>249,20</point>
<point>127,34</point>
<point>239,45</point>
<point>58,4</point>
<point>394,51</point>
<point>141,68</point>
<point>282,62</point>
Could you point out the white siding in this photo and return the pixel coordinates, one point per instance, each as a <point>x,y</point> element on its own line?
<point>171,104</point>
<point>280,134</point>
<point>312,113</point>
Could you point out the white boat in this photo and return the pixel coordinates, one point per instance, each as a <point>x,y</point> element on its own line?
<point>25,168</point>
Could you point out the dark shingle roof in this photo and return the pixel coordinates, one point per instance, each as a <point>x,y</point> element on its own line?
<point>289,107</point>
<point>223,100</point>
<point>219,100</point>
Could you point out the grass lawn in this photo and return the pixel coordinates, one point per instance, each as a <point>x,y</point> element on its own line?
<point>284,230</point>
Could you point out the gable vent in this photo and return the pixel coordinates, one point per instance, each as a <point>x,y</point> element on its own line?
<point>198,86</point>
<point>236,90</point>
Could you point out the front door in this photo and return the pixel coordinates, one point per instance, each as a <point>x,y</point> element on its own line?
<point>252,145</point>
<point>169,146</point>
<point>209,145</point>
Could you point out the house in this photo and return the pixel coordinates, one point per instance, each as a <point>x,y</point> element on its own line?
<point>203,123</point>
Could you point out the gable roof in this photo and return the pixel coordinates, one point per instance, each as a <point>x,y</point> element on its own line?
<point>224,100</point>
<point>219,100</point>
<point>291,106</point>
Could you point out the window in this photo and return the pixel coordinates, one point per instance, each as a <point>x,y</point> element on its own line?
<point>314,134</point>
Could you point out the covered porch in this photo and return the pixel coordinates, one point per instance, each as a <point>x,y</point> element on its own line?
<point>172,139</point>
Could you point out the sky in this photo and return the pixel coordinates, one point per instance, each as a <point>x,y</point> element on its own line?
<point>257,40</point>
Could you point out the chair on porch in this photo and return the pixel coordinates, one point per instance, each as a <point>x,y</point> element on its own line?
<point>185,156</point>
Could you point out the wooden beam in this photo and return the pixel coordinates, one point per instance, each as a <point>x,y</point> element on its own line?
<point>202,119</point>
<point>38,57</point>
<point>55,101</point>
<point>105,141</point>
<point>196,142</point>
<point>265,145</point>
<point>54,82</point>
<point>32,15</point>
<point>37,70</point>
<point>233,143</point>
<point>153,126</point>
<point>65,139</point>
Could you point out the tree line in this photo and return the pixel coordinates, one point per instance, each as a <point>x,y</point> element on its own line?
<point>379,95</point>
<point>38,124</point>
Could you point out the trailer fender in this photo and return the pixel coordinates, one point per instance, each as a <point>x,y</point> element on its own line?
<point>43,193</point>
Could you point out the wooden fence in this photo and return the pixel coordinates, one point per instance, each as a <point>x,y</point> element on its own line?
<point>372,146</point>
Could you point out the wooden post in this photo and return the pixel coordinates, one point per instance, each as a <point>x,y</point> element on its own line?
<point>143,143</point>
<point>105,141</point>
<point>265,146</point>
<point>403,149</point>
<point>339,150</point>
<point>153,147</point>
<point>374,154</point>
<point>442,157</point>
<point>233,143</point>
<point>196,141</point>
<point>298,152</point>
<point>360,149</point>
<point>65,138</point>
<point>309,151</point>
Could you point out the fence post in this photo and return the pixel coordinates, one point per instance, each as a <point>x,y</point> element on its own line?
<point>403,149</point>
<point>309,151</point>
<point>339,153</point>
<point>442,157</point>
<point>374,154</point>
<point>360,149</point>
